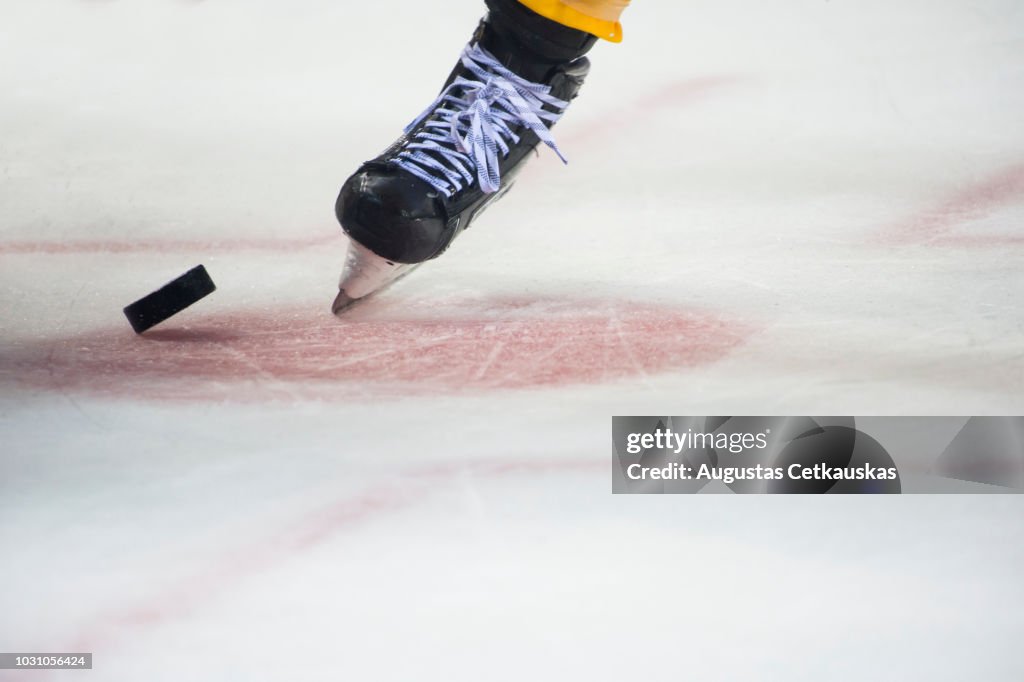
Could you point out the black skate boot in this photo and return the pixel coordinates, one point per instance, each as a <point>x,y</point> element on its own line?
<point>513,82</point>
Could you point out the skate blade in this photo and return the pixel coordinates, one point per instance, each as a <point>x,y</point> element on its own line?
<point>342,302</point>
<point>365,273</point>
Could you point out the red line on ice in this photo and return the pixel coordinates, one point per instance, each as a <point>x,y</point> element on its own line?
<point>937,225</point>
<point>117,246</point>
<point>193,592</point>
<point>666,96</point>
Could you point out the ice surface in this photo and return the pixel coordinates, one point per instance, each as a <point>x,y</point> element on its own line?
<point>771,208</point>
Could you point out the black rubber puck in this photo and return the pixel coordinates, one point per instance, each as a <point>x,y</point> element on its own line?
<point>170,299</point>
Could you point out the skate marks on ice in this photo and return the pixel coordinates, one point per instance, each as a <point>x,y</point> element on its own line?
<point>452,346</point>
<point>985,214</point>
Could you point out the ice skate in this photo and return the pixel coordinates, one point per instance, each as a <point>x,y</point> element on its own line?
<point>513,82</point>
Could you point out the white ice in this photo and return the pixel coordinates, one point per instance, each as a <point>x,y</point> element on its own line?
<point>819,205</point>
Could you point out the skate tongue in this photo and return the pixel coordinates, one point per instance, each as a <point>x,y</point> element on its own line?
<point>529,44</point>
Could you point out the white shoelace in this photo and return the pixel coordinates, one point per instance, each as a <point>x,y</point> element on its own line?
<point>470,124</point>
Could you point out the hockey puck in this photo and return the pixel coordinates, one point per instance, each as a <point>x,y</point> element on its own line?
<point>170,299</point>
